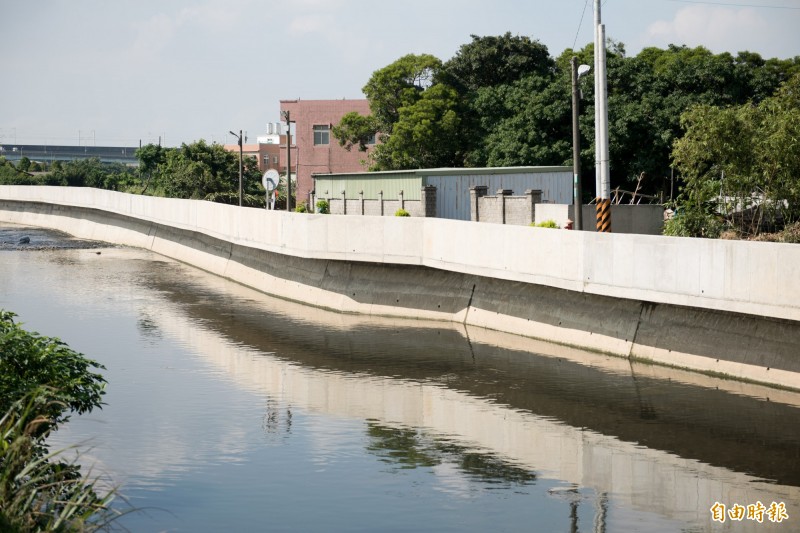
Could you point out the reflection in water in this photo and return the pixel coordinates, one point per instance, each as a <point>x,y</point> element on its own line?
<point>411,448</point>
<point>223,402</point>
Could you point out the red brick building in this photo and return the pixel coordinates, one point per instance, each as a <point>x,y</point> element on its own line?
<point>314,150</point>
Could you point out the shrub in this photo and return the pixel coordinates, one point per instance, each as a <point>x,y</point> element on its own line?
<point>693,223</point>
<point>402,213</point>
<point>42,380</point>
<point>323,207</point>
<point>301,208</point>
<point>546,224</point>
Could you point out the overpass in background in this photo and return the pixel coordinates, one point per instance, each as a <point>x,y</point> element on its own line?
<point>48,153</point>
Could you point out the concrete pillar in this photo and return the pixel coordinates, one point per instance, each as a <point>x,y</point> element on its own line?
<point>474,194</point>
<point>501,196</point>
<point>428,201</point>
<point>534,196</point>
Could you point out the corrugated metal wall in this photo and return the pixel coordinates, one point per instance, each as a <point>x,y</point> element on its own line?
<point>390,183</point>
<point>452,191</point>
<point>452,185</point>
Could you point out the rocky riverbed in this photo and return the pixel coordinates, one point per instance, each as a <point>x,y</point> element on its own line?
<point>16,237</point>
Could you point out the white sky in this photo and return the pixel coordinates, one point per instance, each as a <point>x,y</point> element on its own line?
<point>114,72</point>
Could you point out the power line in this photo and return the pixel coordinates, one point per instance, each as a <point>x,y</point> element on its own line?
<point>732,4</point>
<point>586,3</point>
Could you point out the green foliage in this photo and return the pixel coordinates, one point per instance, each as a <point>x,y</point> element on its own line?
<point>323,207</point>
<point>151,157</point>
<point>280,201</point>
<point>41,381</point>
<point>402,213</point>
<point>232,198</point>
<point>492,61</point>
<point>29,361</point>
<point>503,101</point>
<point>356,130</point>
<point>742,162</point>
<point>301,208</point>
<point>399,85</point>
<point>9,175</point>
<point>91,173</point>
<point>546,224</point>
<point>427,133</point>
<point>199,171</point>
<point>418,119</point>
<point>37,492</point>
<point>694,222</point>
<point>24,164</point>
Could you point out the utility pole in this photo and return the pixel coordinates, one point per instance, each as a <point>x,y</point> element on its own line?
<point>288,160</point>
<point>577,193</point>
<point>241,168</point>
<point>602,178</point>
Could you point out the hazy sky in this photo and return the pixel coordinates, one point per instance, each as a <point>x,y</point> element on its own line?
<point>114,72</point>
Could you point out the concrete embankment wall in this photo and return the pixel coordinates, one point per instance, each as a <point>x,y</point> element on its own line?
<point>727,307</point>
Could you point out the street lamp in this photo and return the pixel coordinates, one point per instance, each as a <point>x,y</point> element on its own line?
<point>239,137</point>
<point>289,123</point>
<point>577,193</point>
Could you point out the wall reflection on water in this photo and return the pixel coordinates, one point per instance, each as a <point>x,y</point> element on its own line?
<point>604,439</point>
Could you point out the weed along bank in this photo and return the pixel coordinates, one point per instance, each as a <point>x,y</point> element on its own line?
<point>715,306</point>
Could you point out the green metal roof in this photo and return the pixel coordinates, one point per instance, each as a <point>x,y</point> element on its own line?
<point>444,172</point>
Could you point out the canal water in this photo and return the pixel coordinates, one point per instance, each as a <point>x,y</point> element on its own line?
<point>228,410</point>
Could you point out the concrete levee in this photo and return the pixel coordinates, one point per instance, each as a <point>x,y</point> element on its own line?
<point>717,306</point>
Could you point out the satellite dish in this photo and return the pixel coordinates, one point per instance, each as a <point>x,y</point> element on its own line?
<point>270,179</point>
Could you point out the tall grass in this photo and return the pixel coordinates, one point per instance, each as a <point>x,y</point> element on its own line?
<point>42,381</point>
<point>38,491</point>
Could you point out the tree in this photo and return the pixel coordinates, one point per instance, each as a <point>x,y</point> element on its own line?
<point>151,157</point>
<point>511,106</point>
<point>356,130</point>
<point>91,173</point>
<point>743,162</point>
<point>416,119</point>
<point>203,171</point>
<point>426,135</point>
<point>398,85</point>
<point>496,60</point>
<point>24,164</point>
<point>484,72</point>
<point>527,123</point>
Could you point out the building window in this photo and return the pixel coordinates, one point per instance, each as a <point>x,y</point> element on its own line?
<point>322,134</point>
<point>275,159</point>
<point>371,139</point>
